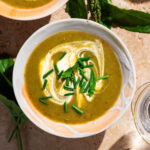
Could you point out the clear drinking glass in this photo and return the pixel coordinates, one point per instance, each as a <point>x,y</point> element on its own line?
<point>141,111</point>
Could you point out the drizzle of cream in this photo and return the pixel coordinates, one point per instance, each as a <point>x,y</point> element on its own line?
<point>74,50</point>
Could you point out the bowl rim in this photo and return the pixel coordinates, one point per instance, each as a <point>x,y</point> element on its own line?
<point>102,27</point>
<point>48,12</point>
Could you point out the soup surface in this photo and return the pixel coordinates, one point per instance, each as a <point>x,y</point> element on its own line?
<point>54,68</point>
<point>26,3</point>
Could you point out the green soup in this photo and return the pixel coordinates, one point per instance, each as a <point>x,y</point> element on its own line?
<point>73,45</point>
<point>26,3</point>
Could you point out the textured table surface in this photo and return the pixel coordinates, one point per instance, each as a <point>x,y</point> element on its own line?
<point>121,136</point>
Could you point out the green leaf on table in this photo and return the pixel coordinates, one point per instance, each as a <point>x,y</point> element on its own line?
<point>141,29</point>
<point>6,67</point>
<point>77,9</point>
<point>5,64</point>
<point>133,20</point>
<point>15,110</point>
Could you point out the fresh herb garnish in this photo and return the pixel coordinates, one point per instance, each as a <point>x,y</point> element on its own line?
<point>68,88</point>
<point>82,70</point>
<point>83,86</point>
<point>92,84</point>
<point>67,81</point>
<point>81,81</point>
<point>68,94</point>
<point>56,68</point>
<point>88,66</point>
<point>43,98</point>
<point>81,63</point>
<point>65,107</point>
<point>59,75</point>
<point>44,84</point>
<point>48,73</point>
<point>77,109</point>
<point>84,58</point>
<point>42,101</point>
<point>74,81</point>
<point>87,87</point>
<point>82,74</point>
<point>76,84</point>
<point>103,77</point>
<point>63,55</point>
<point>68,73</point>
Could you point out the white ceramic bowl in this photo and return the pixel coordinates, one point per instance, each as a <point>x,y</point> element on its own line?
<point>32,13</point>
<point>87,129</point>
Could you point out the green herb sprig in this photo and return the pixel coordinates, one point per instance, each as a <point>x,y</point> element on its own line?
<point>104,12</point>
<point>77,109</point>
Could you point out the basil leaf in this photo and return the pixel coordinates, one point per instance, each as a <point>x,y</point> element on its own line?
<point>77,9</point>
<point>132,20</point>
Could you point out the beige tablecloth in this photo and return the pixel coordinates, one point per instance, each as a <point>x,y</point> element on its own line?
<point>121,136</point>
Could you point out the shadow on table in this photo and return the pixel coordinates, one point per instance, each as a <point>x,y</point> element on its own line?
<point>140,1</point>
<point>130,141</point>
<point>35,139</point>
<point>14,33</point>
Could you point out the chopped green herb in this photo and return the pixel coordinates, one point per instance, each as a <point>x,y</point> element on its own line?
<point>74,81</point>
<point>87,87</point>
<point>82,70</point>
<point>67,81</point>
<point>65,107</point>
<point>76,84</point>
<point>45,83</point>
<point>70,71</point>
<point>59,75</point>
<point>84,58</point>
<point>68,94</point>
<point>63,55</point>
<point>42,101</point>
<point>88,66</point>
<point>82,74</point>
<point>56,68</point>
<point>92,84</point>
<point>48,73</point>
<point>42,98</point>
<point>68,88</point>
<point>81,63</point>
<point>67,73</point>
<point>103,77</point>
<point>77,109</point>
<point>81,81</point>
<point>83,86</point>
